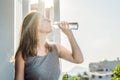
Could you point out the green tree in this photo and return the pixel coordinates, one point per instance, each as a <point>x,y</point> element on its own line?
<point>69,77</point>
<point>65,77</point>
<point>75,78</point>
<point>85,76</point>
<point>85,73</point>
<point>116,73</point>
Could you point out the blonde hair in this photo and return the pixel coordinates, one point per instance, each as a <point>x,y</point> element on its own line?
<point>29,35</point>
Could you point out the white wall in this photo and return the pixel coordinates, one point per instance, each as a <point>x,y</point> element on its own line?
<point>10,23</point>
<point>6,38</point>
<point>18,22</point>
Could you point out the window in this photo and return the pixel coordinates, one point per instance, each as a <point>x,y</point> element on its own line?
<point>100,77</point>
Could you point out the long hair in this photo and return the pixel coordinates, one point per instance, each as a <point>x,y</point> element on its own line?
<point>29,36</point>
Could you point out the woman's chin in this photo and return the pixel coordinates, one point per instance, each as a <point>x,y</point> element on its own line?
<point>50,31</point>
<point>46,31</point>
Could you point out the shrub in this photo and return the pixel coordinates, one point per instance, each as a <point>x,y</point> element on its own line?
<point>116,73</point>
<point>69,77</point>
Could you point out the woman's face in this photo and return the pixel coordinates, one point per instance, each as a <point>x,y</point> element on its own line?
<point>44,25</point>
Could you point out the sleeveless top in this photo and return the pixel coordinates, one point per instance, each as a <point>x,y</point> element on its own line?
<point>43,67</point>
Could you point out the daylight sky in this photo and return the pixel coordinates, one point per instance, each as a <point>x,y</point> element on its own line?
<point>99,28</point>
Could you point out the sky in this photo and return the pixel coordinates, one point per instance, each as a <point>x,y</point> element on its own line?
<point>99,28</point>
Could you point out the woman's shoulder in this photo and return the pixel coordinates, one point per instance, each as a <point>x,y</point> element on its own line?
<point>53,45</point>
<point>18,54</point>
<point>56,46</point>
<point>19,57</point>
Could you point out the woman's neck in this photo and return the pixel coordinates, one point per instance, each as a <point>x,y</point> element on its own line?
<point>42,41</point>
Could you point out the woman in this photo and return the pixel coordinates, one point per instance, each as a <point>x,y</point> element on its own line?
<point>35,59</point>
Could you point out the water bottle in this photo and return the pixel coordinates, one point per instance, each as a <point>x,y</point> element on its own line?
<point>72,25</point>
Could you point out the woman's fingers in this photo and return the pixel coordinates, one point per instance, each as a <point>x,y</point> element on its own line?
<point>64,25</point>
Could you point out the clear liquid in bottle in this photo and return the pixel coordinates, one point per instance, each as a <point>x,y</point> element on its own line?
<point>72,25</point>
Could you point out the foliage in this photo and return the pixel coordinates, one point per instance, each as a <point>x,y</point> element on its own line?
<point>69,77</point>
<point>116,73</point>
<point>85,73</point>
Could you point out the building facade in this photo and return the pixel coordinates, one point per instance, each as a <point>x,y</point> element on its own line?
<point>103,70</point>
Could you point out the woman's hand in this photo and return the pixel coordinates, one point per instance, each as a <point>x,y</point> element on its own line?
<point>64,26</point>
